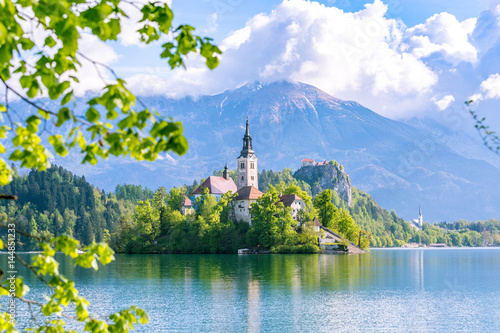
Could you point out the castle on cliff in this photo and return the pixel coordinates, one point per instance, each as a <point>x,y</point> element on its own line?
<point>247,188</point>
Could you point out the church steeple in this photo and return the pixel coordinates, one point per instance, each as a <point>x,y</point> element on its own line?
<point>247,143</point>
<point>420,217</point>
<point>247,163</point>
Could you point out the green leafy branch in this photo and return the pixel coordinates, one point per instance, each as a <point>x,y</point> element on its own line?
<point>64,293</point>
<point>490,138</point>
<point>141,133</point>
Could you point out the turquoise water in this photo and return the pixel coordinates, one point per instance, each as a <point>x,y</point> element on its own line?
<point>409,290</point>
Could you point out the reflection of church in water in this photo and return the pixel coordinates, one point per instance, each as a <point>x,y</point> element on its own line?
<point>247,190</point>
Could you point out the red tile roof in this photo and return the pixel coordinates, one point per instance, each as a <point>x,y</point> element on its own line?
<point>288,199</point>
<point>186,202</point>
<point>248,193</point>
<point>307,160</point>
<point>217,185</point>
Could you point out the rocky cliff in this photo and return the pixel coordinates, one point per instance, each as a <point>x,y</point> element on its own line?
<point>330,176</point>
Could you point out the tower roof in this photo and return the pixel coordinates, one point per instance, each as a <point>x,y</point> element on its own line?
<point>247,143</point>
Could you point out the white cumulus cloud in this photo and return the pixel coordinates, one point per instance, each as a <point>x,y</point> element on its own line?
<point>445,102</point>
<point>490,88</point>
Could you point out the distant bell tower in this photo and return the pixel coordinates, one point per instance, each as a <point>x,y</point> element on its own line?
<point>247,163</point>
<point>420,218</point>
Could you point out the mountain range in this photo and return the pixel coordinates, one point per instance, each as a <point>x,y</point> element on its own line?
<point>400,165</point>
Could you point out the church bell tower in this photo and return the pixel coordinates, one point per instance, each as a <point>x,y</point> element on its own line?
<point>247,163</point>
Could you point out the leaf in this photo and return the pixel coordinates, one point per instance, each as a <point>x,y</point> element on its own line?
<point>44,114</point>
<point>50,42</point>
<point>92,115</point>
<point>63,115</point>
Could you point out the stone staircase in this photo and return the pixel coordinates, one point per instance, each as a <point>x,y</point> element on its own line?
<point>333,237</point>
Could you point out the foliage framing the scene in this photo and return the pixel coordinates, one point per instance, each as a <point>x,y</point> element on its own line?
<point>115,122</point>
<point>48,68</point>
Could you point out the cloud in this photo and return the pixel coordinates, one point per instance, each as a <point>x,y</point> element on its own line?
<point>211,23</point>
<point>444,34</point>
<point>445,102</point>
<point>350,55</point>
<point>90,76</point>
<point>490,89</point>
<point>364,56</point>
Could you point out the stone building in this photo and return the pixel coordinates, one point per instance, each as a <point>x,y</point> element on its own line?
<point>308,162</point>
<point>242,203</point>
<point>186,206</point>
<point>248,180</point>
<point>294,202</point>
<point>248,174</point>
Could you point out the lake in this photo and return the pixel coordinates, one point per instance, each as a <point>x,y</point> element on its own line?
<point>388,290</point>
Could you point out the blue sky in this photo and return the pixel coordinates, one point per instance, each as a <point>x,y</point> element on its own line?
<point>402,59</point>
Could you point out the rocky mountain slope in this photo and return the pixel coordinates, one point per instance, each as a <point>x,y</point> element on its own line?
<point>330,176</point>
<point>401,166</point>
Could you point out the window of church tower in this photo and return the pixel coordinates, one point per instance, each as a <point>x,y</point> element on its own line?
<point>252,165</point>
<point>252,178</point>
<point>242,165</point>
<point>242,177</point>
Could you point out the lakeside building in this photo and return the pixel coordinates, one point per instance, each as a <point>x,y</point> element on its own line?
<point>186,206</point>
<point>294,202</point>
<point>247,190</point>
<point>242,203</point>
<point>418,222</point>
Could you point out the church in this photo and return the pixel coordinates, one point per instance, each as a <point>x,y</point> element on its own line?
<point>247,188</point>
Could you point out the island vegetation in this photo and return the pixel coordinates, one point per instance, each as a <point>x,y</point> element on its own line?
<point>134,219</point>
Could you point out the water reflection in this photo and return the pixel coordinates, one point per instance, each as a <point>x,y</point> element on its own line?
<point>388,290</point>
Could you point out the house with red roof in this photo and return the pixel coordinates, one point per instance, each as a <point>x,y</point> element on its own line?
<point>308,162</point>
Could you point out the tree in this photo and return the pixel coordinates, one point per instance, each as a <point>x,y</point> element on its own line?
<point>204,204</point>
<point>175,198</point>
<point>50,69</point>
<point>159,197</point>
<point>326,209</point>
<point>265,230</point>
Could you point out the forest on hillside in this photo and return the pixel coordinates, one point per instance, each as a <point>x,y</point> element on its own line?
<point>55,202</point>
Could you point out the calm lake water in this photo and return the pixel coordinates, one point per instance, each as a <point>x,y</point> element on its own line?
<point>410,290</point>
